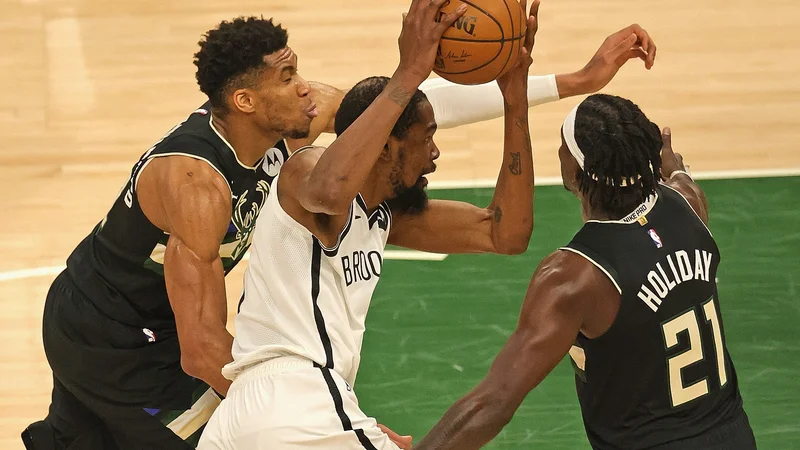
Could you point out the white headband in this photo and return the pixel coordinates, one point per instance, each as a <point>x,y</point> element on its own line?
<point>569,136</point>
<point>575,150</point>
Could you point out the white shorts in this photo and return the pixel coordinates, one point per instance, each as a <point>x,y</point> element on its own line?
<point>287,404</point>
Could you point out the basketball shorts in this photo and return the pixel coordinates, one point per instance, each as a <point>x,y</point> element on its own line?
<point>735,435</point>
<point>110,391</point>
<point>289,404</point>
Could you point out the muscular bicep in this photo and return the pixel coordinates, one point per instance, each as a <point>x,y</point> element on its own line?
<point>555,307</point>
<point>188,199</point>
<point>445,227</point>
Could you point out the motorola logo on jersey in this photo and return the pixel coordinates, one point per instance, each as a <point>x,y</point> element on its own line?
<point>273,161</point>
<point>361,266</point>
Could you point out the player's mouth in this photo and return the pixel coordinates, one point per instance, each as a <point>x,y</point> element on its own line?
<point>311,111</point>
<point>423,181</point>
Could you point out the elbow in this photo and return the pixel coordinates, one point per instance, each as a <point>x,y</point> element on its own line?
<point>517,243</point>
<point>196,362</point>
<point>192,363</point>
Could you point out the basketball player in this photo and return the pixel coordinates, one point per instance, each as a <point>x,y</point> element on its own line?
<point>318,250</point>
<point>144,292</point>
<point>633,300</point>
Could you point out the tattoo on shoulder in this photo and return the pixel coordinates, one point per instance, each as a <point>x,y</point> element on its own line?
<point>516,166</point>
<point>400,96</point>
<point>498,214</point>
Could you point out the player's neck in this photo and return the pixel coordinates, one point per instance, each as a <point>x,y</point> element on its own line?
<point>588,213</point>
<point>375,190</point>
<point>249,147</point>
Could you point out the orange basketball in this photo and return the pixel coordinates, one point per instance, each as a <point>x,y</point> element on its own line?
<point>483,44</point>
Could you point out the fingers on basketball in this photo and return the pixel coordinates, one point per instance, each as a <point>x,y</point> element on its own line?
<point>451,18</point>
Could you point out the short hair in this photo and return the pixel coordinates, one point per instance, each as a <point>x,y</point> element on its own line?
<point>358,99</point>
<point>621,146</point>
<point>231,53</point>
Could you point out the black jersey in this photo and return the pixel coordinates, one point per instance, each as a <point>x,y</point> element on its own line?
<point>662,372</point>
<point>119,266</point>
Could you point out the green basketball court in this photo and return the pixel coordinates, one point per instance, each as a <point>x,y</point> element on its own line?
<point>435,326</point>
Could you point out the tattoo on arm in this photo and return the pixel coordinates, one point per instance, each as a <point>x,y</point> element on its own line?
<point>515,167</point>
<point>498,214</point>
<point>400,96</point>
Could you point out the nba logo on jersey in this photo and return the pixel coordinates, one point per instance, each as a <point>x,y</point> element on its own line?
<point>655,237</point>
<point>151,337</point>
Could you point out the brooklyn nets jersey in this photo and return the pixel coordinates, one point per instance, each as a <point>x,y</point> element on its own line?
<point>119,266</point>
<point>662,372</point>
<point>303,299</point>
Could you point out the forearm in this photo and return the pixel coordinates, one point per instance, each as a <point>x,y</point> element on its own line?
<point>469,424</point>
<point>512,204</point>
<point>343,168</point>
<point>456,104</point>
<point>197,294</point>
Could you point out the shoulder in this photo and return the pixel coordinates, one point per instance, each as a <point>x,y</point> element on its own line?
<point>301,160</point>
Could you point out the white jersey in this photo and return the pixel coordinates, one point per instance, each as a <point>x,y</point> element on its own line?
<point>301,298</point>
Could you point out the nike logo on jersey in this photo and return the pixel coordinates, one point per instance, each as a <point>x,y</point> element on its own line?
<point>682,268</point>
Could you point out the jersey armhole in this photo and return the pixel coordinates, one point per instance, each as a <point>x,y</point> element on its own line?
<point>596,261</point>
<point>690,206</point>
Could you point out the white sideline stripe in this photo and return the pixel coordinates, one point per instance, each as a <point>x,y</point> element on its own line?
<point>464,184</point>
<point>555,181</point>
<point>405,255</point>
<point>30,273</point>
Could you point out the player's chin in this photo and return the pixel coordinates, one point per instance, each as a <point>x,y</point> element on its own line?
<point>300,132</point>
<point>411,200</point>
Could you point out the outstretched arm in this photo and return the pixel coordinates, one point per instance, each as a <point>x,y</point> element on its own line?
<point>561,294</point>
<point>455,104</point>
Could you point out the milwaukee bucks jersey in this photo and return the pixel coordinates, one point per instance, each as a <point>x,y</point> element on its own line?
<point>119,266</point>
<point>662,372</point>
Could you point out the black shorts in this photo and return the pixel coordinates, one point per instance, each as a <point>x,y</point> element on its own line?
<point>112,388</point>
<point>735,435</point>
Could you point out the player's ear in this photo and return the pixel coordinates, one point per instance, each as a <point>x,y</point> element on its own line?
<point>242,100</point>
<point>391,149</point>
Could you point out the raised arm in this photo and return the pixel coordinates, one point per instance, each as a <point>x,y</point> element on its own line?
<point>504,226</point>
<point>188,199</point>
<point>562,293</point>
<point>342,169</point>
<point>675,175</point>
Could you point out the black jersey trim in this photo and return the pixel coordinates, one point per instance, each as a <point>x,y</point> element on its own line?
<point>347,424</point>
<point>606,269</point>
<point>362,203</point>
<point>316,260</point>
<point>331,252</point>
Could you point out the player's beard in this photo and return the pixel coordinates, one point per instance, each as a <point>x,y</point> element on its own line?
<point>298,133</point>
<point>406,200</point>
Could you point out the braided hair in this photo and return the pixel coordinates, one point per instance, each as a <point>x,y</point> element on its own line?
<point>622,154</point>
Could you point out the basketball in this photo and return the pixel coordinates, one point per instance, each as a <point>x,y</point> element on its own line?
<point>483,44</point>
